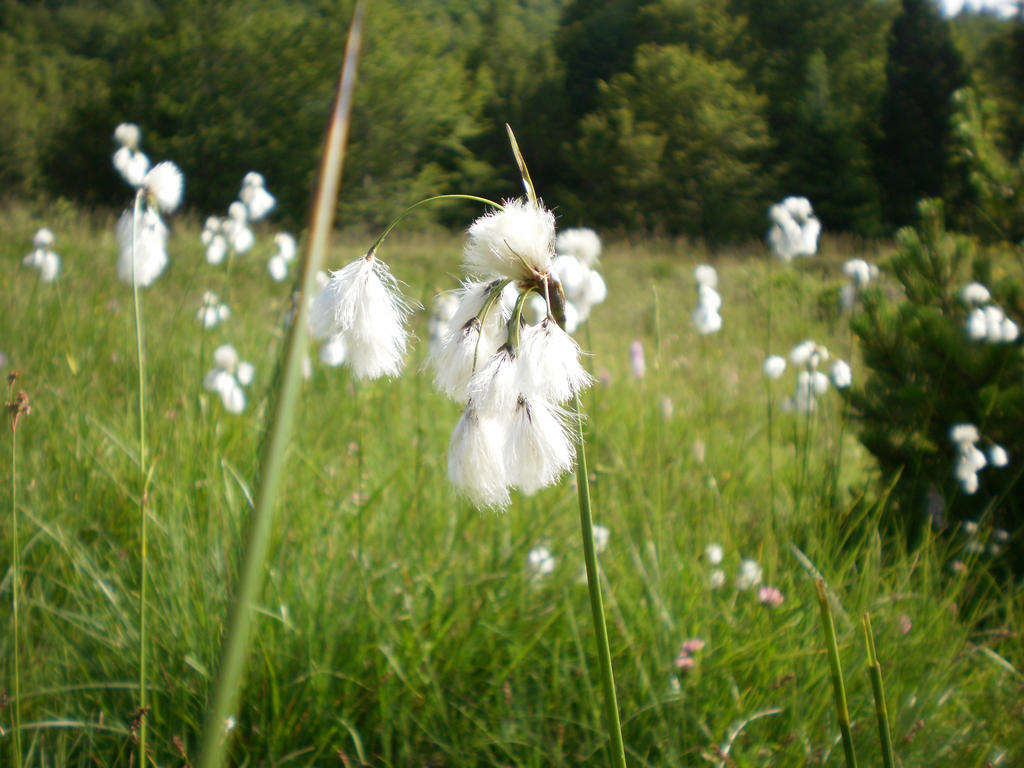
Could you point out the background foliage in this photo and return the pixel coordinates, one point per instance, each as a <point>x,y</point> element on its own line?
<point>804,97</point>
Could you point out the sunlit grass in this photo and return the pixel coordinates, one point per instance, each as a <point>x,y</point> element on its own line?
<point>400,627</point>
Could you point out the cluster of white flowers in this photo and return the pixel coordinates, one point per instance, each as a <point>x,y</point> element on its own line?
<point>970,459</point>
<point>706,318</point>
<point>513,376</point>
<point>860,274</point>
<point>811,383</point>
<point>43,257</point>
<point>278,264</point>
<point>228,376</point>
<point>233,234</point>
<point>540,562</point>
<point>129,160</point>
<point>257,200</point>
<point>213,311</point>
<point>750,575</point>
<point>975,544</point>
<point>794,229</point>
<point>143,243</point>
<point>577,251</point>
<point>986,321</point>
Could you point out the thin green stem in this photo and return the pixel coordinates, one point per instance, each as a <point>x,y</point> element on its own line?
<point>15,594</point>
<point>604,655</point>
<point>838,685</point>
<point>144,490</point>
<point>250,581</point>
<point>414,206</point>
<point>878,691</point>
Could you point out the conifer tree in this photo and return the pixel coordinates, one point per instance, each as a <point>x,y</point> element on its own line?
<point>923,69</point>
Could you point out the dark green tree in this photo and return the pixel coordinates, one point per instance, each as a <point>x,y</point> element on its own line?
<point>922,70</point>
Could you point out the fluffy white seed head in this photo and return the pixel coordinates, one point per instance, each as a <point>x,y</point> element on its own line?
<point>974,293</point>
<point>476,465</point>
<point>128,135</point>
<point>580,242</point>
<point>286,246</point>
<point>150,248</point>
<point>713,553</point>
<point>132,165</point>
<point>975,325</point>
<point>705,274</point>
<point>774,366</point>
<point>165,184</point>
<point>539,448</point>
<point>43,239</point>
<point>549,363</point>
<point>539,563</point>
<point>278,268</point>
<point>750,575</point>
<point>516,242</point>
<point>963,434</point>
<point>245,373</point>
<point>49,267</point>
<point>842,376</point>
<point>226,356</point>
<point>362,303</point>
<point>997,456</point>
<point>332,353</point>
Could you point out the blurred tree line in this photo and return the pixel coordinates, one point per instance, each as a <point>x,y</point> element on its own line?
<point>672,116</point>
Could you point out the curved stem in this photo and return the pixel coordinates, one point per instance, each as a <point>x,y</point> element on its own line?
<point>604,656</point>
<point>143,491</point>
<point>16,594</point>
<point>414,206</point>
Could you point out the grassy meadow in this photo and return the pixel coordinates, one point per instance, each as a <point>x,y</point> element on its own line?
<point>401,627</point>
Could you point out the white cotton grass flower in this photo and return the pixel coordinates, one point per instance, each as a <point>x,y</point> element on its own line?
<point>286,246</point>
<point>551,366</point>
<point>988,323</point>
<point>969,459</point>
<point>277,267</point>
<point>446,303</point>
<point>164,185</point>
<point>254,195</point>
<point>601,537</point>
<point>363,305</point>
<point>581,243</point>
<point>42,256</point>
<point>539,448</point>
<point>716,579</point>
<point>713,554</point>
<point>228,376</point>
<point>43,239</point>
<point>750,575</point>
<point>494,388</point>
<point>212,312</point>
<point>975,293</point>
<point>997,456</point>
<point>236,228</point>
<point>794,229</point>
<point>129,161</point>
<point>150,247</point>
<point>214,240</point>
<point>774,366</point>
<point>705,274</point>
<point>476,465</point>
<point>516,242</point>
<point>842,376</point>
<point>539,563</point>
<point>332,352</point>
<point>128,135</point>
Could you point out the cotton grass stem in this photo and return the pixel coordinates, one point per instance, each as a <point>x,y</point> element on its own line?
<point>838,686</point>
<point>604,656</point>
<point>144,489</point>
<point>15,588</point>
<point>878,691</point>
<point>236,643</point>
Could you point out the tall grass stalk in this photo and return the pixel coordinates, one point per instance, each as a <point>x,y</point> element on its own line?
<point>604,656</point>
<point>838,685</point>
<point>144,489</point>
<point>15,581</point>
<point>236,643</point>
<point>878,691</point>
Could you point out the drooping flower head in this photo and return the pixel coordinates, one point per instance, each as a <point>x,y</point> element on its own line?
<point>362,304</point>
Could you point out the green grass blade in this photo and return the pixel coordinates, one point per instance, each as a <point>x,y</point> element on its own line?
<point>881,710</point>
<point>236,644</point>
<point>838,685</point>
